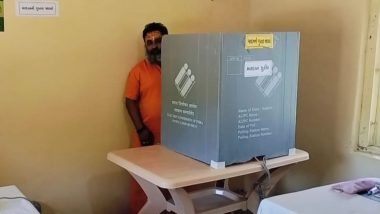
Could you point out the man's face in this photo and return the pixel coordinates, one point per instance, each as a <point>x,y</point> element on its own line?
<point>153,47</point>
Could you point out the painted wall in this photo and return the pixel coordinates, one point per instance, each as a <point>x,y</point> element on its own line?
<point>61,94</point>
<point>62,80</point>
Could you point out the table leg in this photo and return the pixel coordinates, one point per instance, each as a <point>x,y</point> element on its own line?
<point>276,174</point>
<point>156,202</point>
<point>182,201</point>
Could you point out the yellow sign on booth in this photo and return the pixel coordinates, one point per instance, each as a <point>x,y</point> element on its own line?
<point>258,41</point>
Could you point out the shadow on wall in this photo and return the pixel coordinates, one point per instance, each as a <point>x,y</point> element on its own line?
<point>318,87</point>
<point>45,208</point>
<point>115,183</point>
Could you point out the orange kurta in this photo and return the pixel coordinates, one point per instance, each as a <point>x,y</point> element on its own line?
<point>144,85</point>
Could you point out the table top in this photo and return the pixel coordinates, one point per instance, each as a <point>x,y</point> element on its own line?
<point>15,205</point>
<point>318,200</point>
<point>10,191</point>
<point>168,169</point>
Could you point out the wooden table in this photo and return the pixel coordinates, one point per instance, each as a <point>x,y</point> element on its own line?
<point>157,166</point>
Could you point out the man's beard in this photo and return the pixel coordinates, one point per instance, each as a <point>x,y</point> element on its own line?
<point>154,56</point>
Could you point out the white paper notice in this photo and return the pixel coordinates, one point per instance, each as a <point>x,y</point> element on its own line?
<point>258,68</point>
<point>37,8</point>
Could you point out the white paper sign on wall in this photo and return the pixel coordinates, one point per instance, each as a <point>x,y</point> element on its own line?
<point>37,8</point>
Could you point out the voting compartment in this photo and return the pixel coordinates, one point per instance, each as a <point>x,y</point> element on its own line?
<point>230,97</point>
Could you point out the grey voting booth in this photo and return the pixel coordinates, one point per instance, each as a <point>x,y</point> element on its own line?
<point>230,97</point>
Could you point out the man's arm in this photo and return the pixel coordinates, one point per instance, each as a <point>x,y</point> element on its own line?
<point>134,113</point>
<point>145,135</point>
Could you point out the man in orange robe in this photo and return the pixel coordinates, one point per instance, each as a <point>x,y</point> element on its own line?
<point>143,100</point>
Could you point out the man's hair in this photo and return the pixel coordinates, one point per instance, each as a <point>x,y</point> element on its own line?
<point>154,26</point>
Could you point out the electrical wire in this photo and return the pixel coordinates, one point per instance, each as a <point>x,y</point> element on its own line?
<point>263,186</point>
